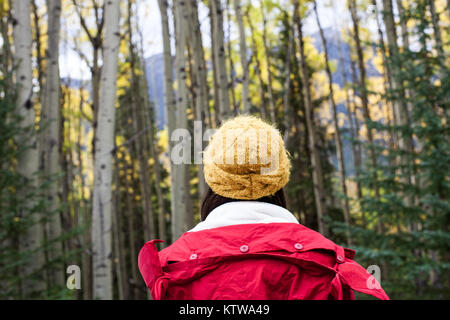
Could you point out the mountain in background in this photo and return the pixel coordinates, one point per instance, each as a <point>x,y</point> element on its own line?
<point>155,77</point>
<point>154,66</point>
<point>155,71</point>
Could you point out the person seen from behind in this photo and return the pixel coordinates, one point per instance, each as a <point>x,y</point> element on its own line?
<point>248,245</point>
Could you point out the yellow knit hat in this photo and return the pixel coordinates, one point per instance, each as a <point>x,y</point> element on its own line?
<point>246,159</point>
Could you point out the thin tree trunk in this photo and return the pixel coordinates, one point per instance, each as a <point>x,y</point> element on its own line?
<point>365,102</point>
<point>436,28</point>
<point>405,141</point>
<point>356,136</point>
<point>201,68</point>
<point>287,80</point>
<point>52,163</point>
<point>101,211</point>
<point>219,52</point>
<point>97,45</point>
<point>181,215</point>
<point>356,155</point>
<point>152,147</point>
<point>313,143</point>
<point>118,240</point>
<point>136,101</point>
<point>268,64</point>
<point>200,90</point>
<point>214,66</point>
<point>387,75</point>
<point>84,239</point>
<point>263,105</point>
<point>337,136</point>
<point>168,95</point>
<point>243,54</point>
<point>28,161</point>
<point>151,150</point>
<point>235,106</point>
<point>131,229</point>
<point>37,39</point>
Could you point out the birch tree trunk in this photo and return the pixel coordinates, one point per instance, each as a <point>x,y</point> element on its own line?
<point>200,88</point>
<point>319,195</point>
<point>101,211</point>
<point>52,162</point>
<point>202,67</point>
<point>337,134</point>
<point>243,54</point>
<point>180,215</point>
<point>28,161</point>
<point>232,84</point>
<point>219,53</point>
<point>169,99</point>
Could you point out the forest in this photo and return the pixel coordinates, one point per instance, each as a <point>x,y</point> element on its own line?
<point>358,88</point>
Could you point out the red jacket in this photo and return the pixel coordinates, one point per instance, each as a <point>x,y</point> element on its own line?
<point>254,261</point>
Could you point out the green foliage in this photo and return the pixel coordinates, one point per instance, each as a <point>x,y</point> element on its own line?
<point>17,219</point>
<point>413,246</point>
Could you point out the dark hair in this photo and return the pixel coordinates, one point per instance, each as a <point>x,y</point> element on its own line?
<point>212,200</point>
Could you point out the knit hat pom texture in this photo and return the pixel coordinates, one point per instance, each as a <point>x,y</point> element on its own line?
<point>246,159</point>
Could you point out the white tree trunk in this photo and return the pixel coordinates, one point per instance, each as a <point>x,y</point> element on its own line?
<point>101,213</point>
<point>200,87</point>
<point>28,161</point>
<point>179,221</point>
<point>52,109</point>
<point>169,98</point>
<point>243,53</point>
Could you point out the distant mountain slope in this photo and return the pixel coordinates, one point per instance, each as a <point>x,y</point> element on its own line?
<point>155,71</point>
<point>155,77</point>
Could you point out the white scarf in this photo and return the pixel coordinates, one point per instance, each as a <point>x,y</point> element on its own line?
<point>245,212</point>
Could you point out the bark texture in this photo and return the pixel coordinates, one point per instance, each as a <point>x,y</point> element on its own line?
<point>317,173</point>
<point>104,146</point>
<point>52,161</point>
<point>28,161</point>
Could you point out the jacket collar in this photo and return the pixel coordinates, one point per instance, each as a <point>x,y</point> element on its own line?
<point>245,212</point>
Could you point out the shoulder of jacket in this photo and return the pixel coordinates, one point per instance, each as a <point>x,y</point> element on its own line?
<point>355,277</point>
<point>262,237</point>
